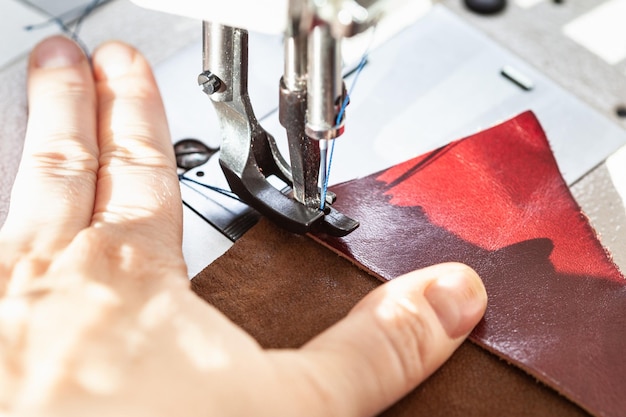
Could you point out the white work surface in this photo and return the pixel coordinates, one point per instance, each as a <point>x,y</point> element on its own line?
<point>413,106</point>
<point>403,105</point>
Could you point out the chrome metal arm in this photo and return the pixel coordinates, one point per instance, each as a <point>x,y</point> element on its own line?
<point>248,153</point>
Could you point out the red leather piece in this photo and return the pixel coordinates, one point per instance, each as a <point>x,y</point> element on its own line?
<point>497,202</point>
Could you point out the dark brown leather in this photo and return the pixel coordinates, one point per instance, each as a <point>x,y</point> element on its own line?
<point>271,284</point>
<point>494,201</point>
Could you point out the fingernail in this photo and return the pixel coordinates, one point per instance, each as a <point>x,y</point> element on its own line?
<point>114,59</point>
<point>57,52</point>
<point>458,298</point>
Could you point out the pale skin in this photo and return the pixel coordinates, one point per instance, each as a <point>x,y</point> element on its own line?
<point>96,314</point>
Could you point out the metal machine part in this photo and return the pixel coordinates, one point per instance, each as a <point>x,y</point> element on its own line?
<point>248,153</point>
<point>191,153</point>
<point>312,94</point>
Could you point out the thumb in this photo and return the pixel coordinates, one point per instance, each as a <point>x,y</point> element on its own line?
<point>393,340</point>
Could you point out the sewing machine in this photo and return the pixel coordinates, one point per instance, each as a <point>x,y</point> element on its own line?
<point>312,104</point>
<point>435,81</point>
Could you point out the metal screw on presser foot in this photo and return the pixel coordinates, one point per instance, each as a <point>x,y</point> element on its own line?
<point>209,82</point>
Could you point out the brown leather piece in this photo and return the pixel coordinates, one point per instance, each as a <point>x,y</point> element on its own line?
<point>271,284</point>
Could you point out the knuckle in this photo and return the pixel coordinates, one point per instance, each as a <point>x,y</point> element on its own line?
<point>64,90</point>
<point>101,243</point>
<point>129,92</point>
<point>114,252</point>
<point>407,333</point>
<point>139,157</point>
<point>316,396</point>
<point>66,150</point>
<point>66,163</point>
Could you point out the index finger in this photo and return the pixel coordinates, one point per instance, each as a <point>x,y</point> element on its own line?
<point>53,193</point>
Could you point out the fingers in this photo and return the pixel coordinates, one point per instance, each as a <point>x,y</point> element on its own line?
<point>393,340</point>
<point>54,190</point>
<point>137,182</point>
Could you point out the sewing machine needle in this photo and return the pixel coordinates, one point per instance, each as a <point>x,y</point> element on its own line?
<point>323,158</point>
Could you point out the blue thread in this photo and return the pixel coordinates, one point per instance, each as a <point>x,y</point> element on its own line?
<point>340,115</point>
<point>222,191</point>
<point>60,21</point>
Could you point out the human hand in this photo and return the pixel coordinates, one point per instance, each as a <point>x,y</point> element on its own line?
<point>96,314</point>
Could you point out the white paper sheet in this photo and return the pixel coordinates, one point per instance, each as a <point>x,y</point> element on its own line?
<point>602,31</point>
